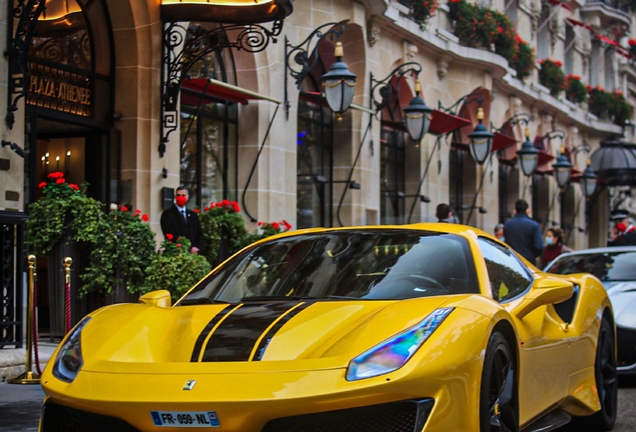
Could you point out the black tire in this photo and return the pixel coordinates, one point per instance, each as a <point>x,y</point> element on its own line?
<point>606,380</point>
<point>498,403</point>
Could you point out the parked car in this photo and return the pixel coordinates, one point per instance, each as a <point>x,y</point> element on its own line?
<point>427,327</point>
<point>616,268</point>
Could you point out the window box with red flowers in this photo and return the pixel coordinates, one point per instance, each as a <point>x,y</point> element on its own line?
<point>420,11</point>
<point>609,105</point>
<point>477,26</point>
<point>551,75</point>
<point>575,90</point>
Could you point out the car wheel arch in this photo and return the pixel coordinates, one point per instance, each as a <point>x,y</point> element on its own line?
<point>505,327</point>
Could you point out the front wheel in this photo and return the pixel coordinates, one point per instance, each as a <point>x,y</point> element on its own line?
<point>498,407</point>
<point>606,379</point>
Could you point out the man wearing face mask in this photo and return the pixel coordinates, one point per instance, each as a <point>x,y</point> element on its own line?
<point>182,222</point>
<point>623,233</point>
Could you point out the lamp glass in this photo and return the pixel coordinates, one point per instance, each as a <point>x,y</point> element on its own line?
<point>339,93</point>
<point>562,176</point>
<point>480,148</point>
<point>589,186</point>
<point>528,163</point>
<point>417,125</point>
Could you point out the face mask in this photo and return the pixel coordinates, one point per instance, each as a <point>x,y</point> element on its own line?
<point>503,239</point>
<point>548,241</point>
<point>181,201</point>
<point>621,227</point>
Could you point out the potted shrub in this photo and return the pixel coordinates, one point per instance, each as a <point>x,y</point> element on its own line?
<point>610,106</point>
<point>620,111</point>
<point>64,222</point>
<point>552,76</point>
<point>575,90</point>
<point>224,230</point>
<point>174,268</point>
<point>124,248</point>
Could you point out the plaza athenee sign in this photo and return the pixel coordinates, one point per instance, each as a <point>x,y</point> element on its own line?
<point>59,90</point>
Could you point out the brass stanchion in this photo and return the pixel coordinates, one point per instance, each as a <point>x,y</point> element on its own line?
<point>29,377</point>
<point>67,293</point>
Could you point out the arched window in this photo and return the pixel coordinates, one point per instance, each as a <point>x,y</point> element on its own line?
<point>314,153</point>
<point>209,149</point>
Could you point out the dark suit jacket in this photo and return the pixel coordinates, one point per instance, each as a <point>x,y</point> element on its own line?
<point>172,222</point>
<point>524,236</point>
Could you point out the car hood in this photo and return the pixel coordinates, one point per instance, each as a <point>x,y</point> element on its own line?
<point>316,334</point>
<point>623,298</point>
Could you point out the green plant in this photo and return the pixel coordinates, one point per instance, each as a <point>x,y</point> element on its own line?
<point>62,206</point>
<point>523,60</point>
<point>218,220</point>
<point>124,248</point>
<point>552,76</point>
<point>619,109</point>
<point>575,90</point>
<point>420,11</point>
<point>268,229</point>
<point>613,105</point>
<point>175,269</point>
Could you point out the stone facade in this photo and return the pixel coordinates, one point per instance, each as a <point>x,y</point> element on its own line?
<point>379,36</point>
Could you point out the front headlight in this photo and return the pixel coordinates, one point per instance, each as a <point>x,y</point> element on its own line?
<point>69,361</point>
<point>394,352</point>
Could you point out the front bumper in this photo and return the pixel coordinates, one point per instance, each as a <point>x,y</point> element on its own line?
<point>402,416</point>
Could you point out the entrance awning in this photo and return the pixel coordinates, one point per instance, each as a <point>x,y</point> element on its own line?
<point>615,163</point>
<point>443,122</point>
<point>209,89</point>
<point>224,11</point>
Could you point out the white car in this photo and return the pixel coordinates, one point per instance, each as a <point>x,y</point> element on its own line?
<point>616,268</point>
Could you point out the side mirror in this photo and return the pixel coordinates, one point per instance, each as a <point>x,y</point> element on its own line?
<point>159,298</point>
<point>544,291</point>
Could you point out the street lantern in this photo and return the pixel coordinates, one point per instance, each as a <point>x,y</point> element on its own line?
<point>588,184</point>
<point>528,155</point>
<point>480,139</point>
<point>339,84</point>
<point>417,116</point>
<point>562,169</point>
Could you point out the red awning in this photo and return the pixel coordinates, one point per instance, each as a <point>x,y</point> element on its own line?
<point>443,122</point>
<point>580,24</point>
<point>569,5</point>
<point>502,141</point>
<point>207,90</point>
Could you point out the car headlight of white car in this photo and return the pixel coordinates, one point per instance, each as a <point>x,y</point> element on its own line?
<point>394,352</point>
<point>68,361</point>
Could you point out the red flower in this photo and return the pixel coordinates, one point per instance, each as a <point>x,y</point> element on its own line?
<point>144,217</point>
<point>261,224</point>
<point>59,181</point>
<point>275,225</point>
<point>225,203</point>
<point>236,207</point>
<point>136,215</point>
<point>56,174</point>
<point>206,208</point>
<point>179,245</point>
<point>631,42</point>
<point>196,210</point>
<point>41,185</point>
<point>124,208</point>
<point>137,211</point>
<point>73,186</point>
<point>169,236</point>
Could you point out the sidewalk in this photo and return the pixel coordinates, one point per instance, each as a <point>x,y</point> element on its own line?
<point>12,360</point>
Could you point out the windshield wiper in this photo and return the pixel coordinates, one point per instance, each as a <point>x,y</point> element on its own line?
<point>200,300</point>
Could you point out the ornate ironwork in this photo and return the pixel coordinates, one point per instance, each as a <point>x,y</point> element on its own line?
<point>73,50</point>
<point>25,14</point>
<point>302,57</point>
<point>389,91</point>
<point>195,43</point>
<point>12,262</point>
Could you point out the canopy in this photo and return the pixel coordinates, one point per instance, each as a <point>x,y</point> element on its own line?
<point>615,163</point>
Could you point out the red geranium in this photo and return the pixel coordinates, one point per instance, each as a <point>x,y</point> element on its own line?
<point>169,236</point>
<point>196,210</point>
<point>41,185</point>
<point>73,186</point>
<point>631,42</point>
<point>59,181</point>
<point>144,218</point>
<point>56,174</point>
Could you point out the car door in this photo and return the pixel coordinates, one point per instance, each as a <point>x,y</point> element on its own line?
<point>542,337</point>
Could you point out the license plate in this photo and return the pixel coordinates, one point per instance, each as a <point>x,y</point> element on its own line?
<point>185,419</point>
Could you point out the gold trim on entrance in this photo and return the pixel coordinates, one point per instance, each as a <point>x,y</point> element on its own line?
<point>226,11</point>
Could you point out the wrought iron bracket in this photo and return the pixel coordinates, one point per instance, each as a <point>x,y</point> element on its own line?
<point>385,89</point>
<point>467,99</point>
<point>514,120</point>
<point>24,16</point>
<point>183,47</point>
<point>303,58</point>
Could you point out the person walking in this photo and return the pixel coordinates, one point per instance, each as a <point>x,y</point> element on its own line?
<point>622,233</point>
<point>523,234</point>
<point>443,213</point>
<point>553,246</point>
<point>179,221</point>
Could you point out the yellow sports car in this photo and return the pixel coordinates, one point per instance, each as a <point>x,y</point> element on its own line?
<point>426,327</point>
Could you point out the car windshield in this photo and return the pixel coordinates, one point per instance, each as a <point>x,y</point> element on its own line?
<point>607,266</point>
<point>347,264</point>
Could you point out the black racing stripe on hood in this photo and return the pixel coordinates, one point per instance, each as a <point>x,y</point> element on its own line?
<point>206,331</point>
<point>272,332</point>
<point>235,338</point>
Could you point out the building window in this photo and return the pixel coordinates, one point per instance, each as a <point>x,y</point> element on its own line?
<point>568,57</point>
<point>511,11</point>
<point>595,64</point>
<point>314,156</point>
<point>392,177</point>
<point>609,68</point>
<point>543,33</point>
<point>209,149</point>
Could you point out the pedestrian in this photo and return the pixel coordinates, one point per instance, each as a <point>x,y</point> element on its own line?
<point>180,221</point>
<point>553,246</point>
<point>443,213</point>
<point>499,232</point>
<point>623,232</point>
<point>523,234</point>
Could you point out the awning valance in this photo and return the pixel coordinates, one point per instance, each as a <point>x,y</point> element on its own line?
<point>443,122</point>
<point>209,89</point>
<point>615,163</point>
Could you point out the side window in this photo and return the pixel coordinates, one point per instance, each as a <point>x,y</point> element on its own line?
<point>508,276</point>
